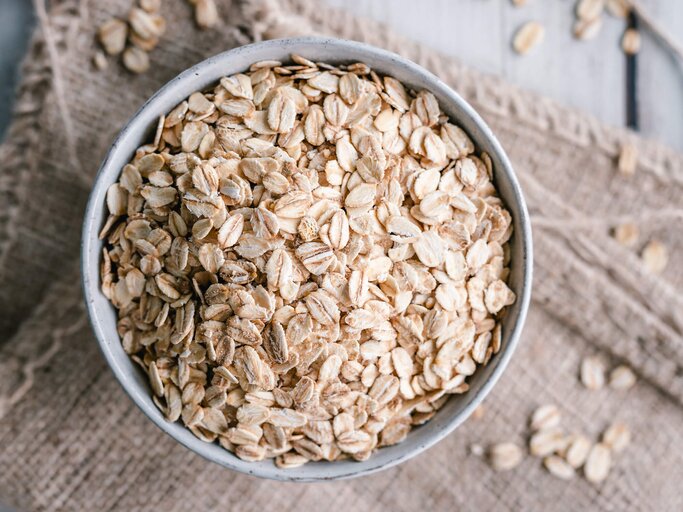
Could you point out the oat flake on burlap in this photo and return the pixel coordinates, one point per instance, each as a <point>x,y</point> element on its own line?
<point>71,440</point>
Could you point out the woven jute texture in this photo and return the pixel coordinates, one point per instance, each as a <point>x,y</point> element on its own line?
<point>71,440</point>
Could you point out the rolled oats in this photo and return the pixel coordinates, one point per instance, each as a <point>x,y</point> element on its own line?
<point>627,234</point>
<point>598,463</point>
<point>546,416</point>
<point>593,373</point>
<point>505,456</point>
<point>622,378</point>
<point>112,35</point>
<point>617,437</point>
<point>528,36</point>
<point>143,29</point>
<point>578,451</point>
<point>205,13</point>
<point>630,41</point>
<point>617,8</point>
<point>628,159</point>
<point>589,9</point>
<point>548,441</point>
<point>135,60</point>
<point>99,60</point>
<point>145,25</point>
<point>559,467</point>
<point>655,256</point>
<point>586,29</point>
<point>303,260</point>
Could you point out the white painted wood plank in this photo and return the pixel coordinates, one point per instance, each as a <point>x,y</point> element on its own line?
<point>467,29</point>
<point>585,74</point>
<point>589,75</point>
<point>661,78</point>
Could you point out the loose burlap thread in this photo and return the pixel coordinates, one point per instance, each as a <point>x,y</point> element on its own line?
<point>71,440</point>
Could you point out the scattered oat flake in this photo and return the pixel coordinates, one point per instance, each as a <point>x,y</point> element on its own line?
<point>628,159</point>
<point>135,60</point>
<point>589,9</point>
<point>586,29</point>
<point>627,234</point>
<point>505,456</point>
<point>558,467</point>
<point>548,441</point>
<point>622,378</point>
<point>206,13</point>
<point>617,437</point>
<point>546,416</point>
<point>577,451</point>
<point>630,42</point>
<point>598,463</point>
<point>528,36</point>
<point>617,8</point>
<point>655,256</point>
<point>112,35</point>
<point>100,60</point>
<point>592,373</point>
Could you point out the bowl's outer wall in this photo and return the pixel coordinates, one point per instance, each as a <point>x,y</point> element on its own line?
<point>139,131</point>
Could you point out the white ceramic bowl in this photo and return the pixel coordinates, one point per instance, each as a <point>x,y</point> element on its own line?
<point>139,130</point>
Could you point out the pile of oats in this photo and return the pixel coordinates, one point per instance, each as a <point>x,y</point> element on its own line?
<point>563,454</point>
<point>137,35</point>
<point>132,38</point>
<point>307,261</point>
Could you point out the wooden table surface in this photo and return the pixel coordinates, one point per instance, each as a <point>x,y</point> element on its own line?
<point>590,75</point>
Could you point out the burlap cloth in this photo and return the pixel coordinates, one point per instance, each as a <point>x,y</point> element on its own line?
<point>71,440</point>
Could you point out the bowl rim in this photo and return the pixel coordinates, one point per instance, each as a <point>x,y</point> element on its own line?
<point>208,450</point>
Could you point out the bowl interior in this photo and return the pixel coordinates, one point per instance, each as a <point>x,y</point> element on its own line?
<point>140,129</point>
